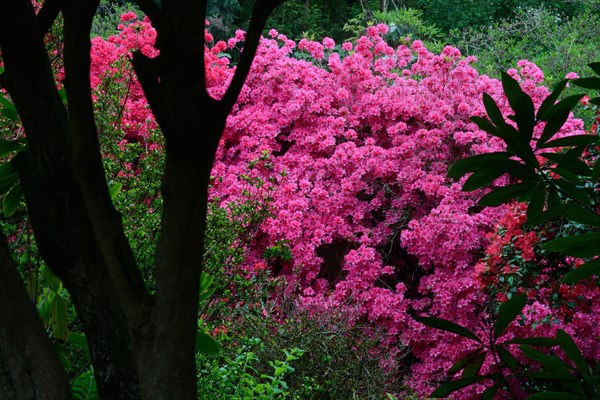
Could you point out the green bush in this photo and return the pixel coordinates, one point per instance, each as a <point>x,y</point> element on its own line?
<point>558,45</point>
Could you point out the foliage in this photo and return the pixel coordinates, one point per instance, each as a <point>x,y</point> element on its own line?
<point>404,24</point>
<point>553,184</point>
<point>461,14</point>
<point>395,120</point>
<point>558,45</point>
<point>108,15</point>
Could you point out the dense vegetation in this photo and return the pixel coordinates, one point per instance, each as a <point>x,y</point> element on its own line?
<point>333,221</point>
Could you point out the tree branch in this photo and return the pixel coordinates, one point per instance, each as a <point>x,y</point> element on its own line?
<point>262,10</point>
<point>87,160</point>
<point>58,214</point>
<point>47,15</point>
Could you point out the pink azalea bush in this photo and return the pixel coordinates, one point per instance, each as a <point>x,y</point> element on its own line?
<point>361,136</point>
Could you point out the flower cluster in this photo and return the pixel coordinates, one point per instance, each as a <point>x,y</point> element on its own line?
<point>362,137</point>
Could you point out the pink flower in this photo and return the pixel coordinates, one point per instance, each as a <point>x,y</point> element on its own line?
<point>128,16</point>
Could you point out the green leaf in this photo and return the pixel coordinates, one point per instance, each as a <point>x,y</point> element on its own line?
<point>584,271</point>
<point>51,280</point>
<point>595,66</point>
<point>114,189</point>
<point>504,194</point>
<point>550,213</point>
<point>490,393</point>
<point>63,356</point>
<point>555,396</point>
<point>567,345</point>
<point>483,178</point>
<point>475,163</point>
<point>550,363</point>
<point>460,364</point>
<point>59,318</point>
<point>583,216</point>
<point>84,387</point>
<point>548,103</point>
<point>12,200</point>
<point>572,191</point>
<point>77,339</point>
<point>575,140</point>
<point>507,313</point>
<point>492,110</point>
<point>582,245</point>
<point>10,146</point>
<point>507,358</point>
<point>448,388</point>
<point>8,109</point>
<point>518,144</point>
<point>596,170</point>
<point>473,368</point>
<point>521,104</point>
<point>557,117</point>
<point>486,126</point>
<point>448,326</point>
<point>537,201</point>
<point>588,83</point>
<point>205,344</point>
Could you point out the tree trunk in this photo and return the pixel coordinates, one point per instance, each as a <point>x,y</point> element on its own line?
<point>141,346</point>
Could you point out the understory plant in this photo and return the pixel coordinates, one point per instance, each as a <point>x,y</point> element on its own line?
<point>558,179</point>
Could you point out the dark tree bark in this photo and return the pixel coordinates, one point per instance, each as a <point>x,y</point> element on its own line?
<point>141,345</point>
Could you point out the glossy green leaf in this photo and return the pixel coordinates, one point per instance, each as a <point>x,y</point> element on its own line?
<point>588,83</point>
<point>548,103</point>
<point>59,318</point>
<point>555,396</point>
<point>566,343</point>
<point>583,216</point>
<point>568,175</point>
<point>508,312</point>
<point>583,245</point>
<point>12,200</point>
<point>550,363</point>
<point>479,179</point>
<point>572,191</point>
<point>552,212</point>
<point>206,344</point>
<point>595,66</point>
<point>10,146</point>
<point>504,194</point>
<point>521,104</point>
<point>518,144</point>
<point>448,326</point>
<point>537,201</point>
<point>558,116</point>
<point>575,140</point>
<point>486,126</point>
<point>507,358</point>
<point>493,110</point>
<point>473,368</point>
<point>584,271</point>
<point>490,393</point>
<point>448,388</point>
<point>596,170</point>
<point>475,163</point>
<point>461,363</point>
